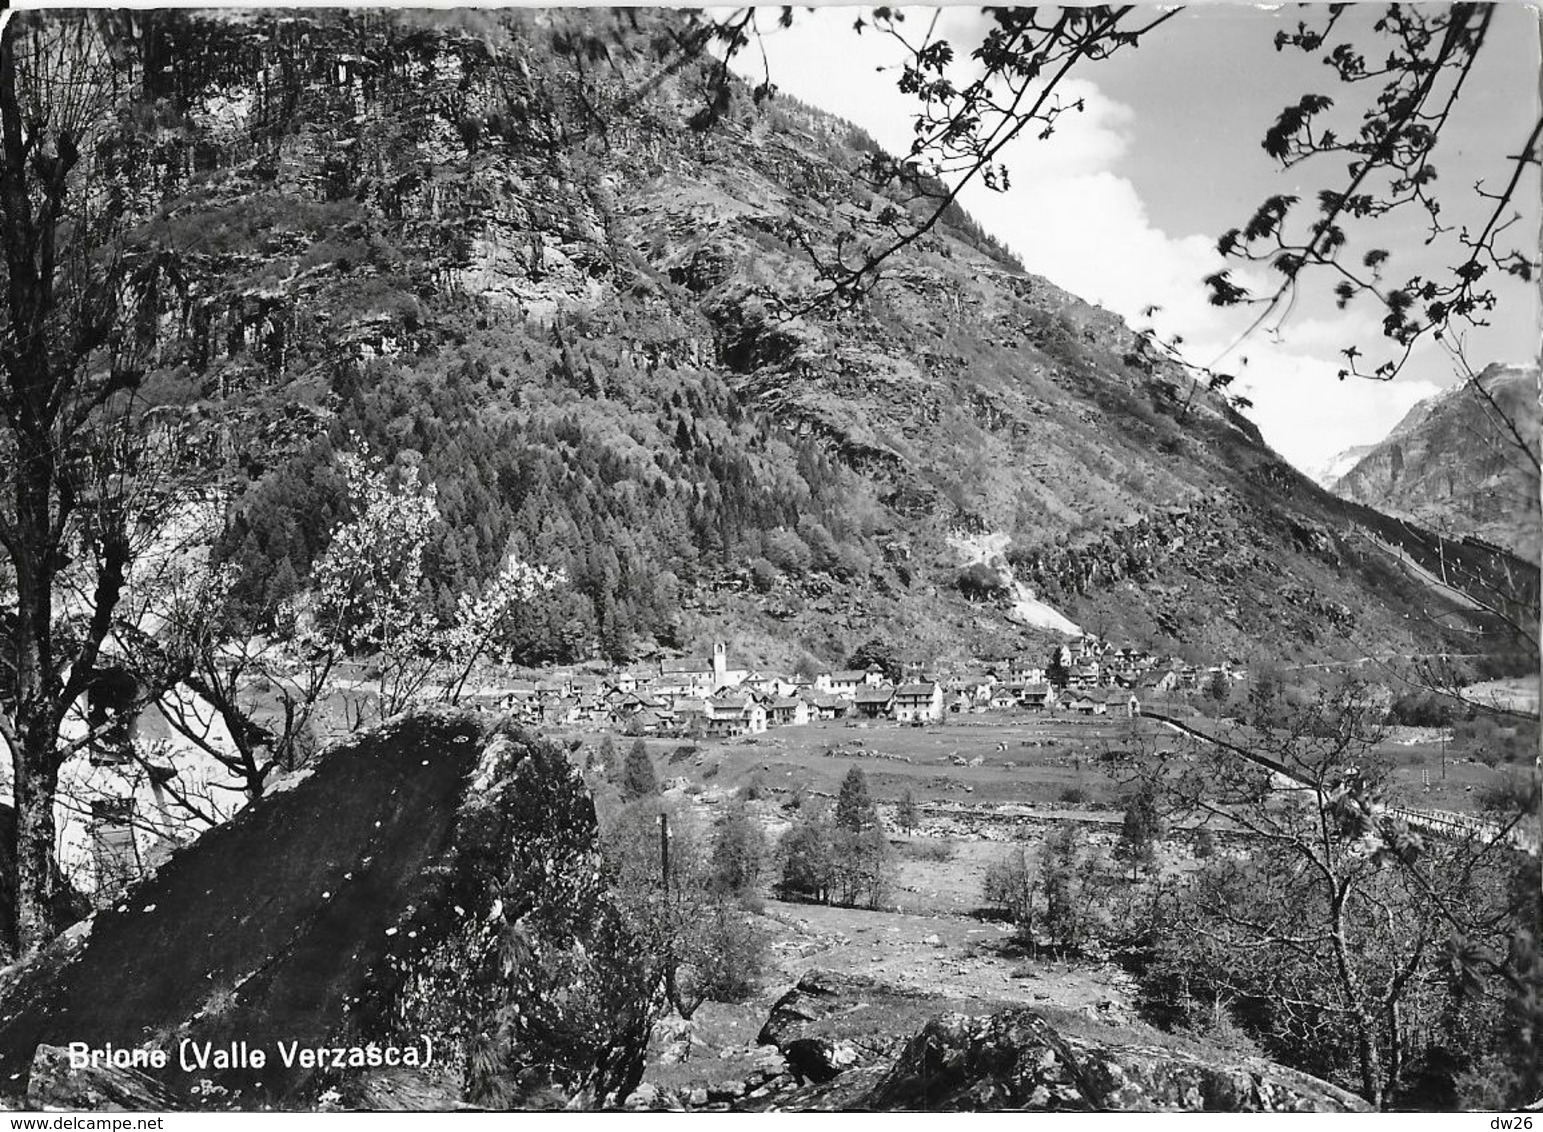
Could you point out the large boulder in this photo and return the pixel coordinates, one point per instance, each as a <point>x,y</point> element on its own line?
<point>270,928</point>
<point>332,945</point>
<point>831,1022</point>
<point>1015,1059</point>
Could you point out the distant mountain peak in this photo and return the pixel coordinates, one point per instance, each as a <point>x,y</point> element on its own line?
<point>1456,461</point>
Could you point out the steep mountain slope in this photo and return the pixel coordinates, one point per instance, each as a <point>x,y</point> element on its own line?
<point>1459,462</point>
<point>517,249</point>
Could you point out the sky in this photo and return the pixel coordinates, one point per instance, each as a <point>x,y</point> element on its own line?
<point>1123,205</point>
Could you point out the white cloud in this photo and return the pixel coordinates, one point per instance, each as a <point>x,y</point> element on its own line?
<point>1308,415</point>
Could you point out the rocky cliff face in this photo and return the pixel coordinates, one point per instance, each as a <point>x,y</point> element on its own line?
<point>1463,462</point>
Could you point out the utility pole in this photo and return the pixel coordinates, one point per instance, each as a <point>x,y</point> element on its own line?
<point>664,853</point>
<point>671,990</point>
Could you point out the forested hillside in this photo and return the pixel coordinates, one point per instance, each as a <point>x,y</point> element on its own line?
<point>541,256</point>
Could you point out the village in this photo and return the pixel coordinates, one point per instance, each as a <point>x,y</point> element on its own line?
<point>708,697</point>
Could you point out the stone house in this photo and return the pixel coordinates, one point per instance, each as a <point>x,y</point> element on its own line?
<point>1039,697</point>
<point>735,715</point>
<point>1089,703</point>
<point>873,703</point>
<point>786,711</point>
<point>827,705</point>
<point>919,702</point>
<point>1003,699</point>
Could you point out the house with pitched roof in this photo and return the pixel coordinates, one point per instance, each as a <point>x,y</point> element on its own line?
<point>919,702</point>
<point>826,705</point>
<point>730,714</point>
<point>1003,699</point>
<point>691,716</point>
<point>1089,702</point>
<point>846,682</point>
<point>1039,697</point>
<point>785,711</point>
<point>873,702</point>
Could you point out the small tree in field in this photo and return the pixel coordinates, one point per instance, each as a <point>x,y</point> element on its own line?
<point>1012,885</point>
<point>610,762</point>
<point>855,810</point>
<point>808,851</point>
<point>1072,881</point>
<point>638,777</point>
<point>863,866</point>
<point>1139,832</point>
<point>739,854</point>
<point>861,856</point>
<point>1217,691</point>
<point>905,815</point>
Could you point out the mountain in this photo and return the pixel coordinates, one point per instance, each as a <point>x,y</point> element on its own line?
<point>547,258</point>
<point>1327,473</point>
<point>1463,462</point>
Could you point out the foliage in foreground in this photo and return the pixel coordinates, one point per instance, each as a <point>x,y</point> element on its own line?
<point>543,986</point>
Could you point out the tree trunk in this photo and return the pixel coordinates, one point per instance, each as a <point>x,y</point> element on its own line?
<point>37,781</point>
<point>1367,1053</point>
<point>35,770</point>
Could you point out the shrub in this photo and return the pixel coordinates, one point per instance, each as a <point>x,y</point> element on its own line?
<point>1071,874</point>
<point>1074,795</point>
<point>1011,887</point>
<point>788,552</point>
<point>1424,709</point>
<point>763,575</point>
<point>731,956</point>
<point>930,850</point>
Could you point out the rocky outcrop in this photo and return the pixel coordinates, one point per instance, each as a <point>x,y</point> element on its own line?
<point>855,1044</point>
<point>1015,1059</point>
